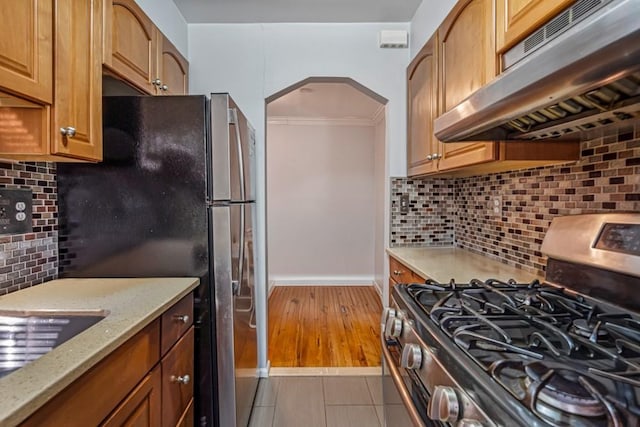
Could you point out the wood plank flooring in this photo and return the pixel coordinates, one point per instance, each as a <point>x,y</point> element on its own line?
<point>324,326</point>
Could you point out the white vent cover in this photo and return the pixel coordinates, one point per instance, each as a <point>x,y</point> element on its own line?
<point>393,39</point>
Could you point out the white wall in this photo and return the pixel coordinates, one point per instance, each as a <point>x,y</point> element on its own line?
<point>320,189</point>
<point>381,225</point>
<point>254,61</point>
<point>166,15</point>
<point>426,20</point>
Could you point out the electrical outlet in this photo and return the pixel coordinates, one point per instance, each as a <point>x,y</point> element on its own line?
<point>404,203</point>
<point>496,205</point>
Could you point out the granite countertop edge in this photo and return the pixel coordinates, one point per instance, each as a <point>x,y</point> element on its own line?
<point>131,304</point>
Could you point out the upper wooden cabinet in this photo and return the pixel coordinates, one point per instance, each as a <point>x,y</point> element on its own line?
<point>422,107</point>
<point>26,34</point>
<point>467,61</point>
<point>173,69</point>
<point>130,44</point>
<point>517,19</point>
<point>137,52</point>
<point>42,118</point>
<point>77,112</point>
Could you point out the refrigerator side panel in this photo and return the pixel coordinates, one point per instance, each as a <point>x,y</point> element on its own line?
<point>220,218</point>
<point>220,160</point>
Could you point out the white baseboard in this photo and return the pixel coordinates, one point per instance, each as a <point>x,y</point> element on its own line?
<point>264,372</point>
<point>328,371</point>
<point>322,281</point>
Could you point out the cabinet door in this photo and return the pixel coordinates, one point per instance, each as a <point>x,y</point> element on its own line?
<point>422,90</point>
<point>177,380</point>
<point>173,69</point>
<point>77,113</point>
<point>468,61</point>
<point>141,408</point>
<point>517,19</point>
<point>26,48</point>
<point>130,44</point>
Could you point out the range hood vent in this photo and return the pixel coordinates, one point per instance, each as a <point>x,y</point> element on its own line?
<point>580,72</point>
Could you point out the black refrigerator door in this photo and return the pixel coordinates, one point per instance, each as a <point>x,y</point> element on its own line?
<point>142,212</point>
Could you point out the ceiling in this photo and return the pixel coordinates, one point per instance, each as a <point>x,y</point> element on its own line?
<point>325,101</point>
<point>252,11</point>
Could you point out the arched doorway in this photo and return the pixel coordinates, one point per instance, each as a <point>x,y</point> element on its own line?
<point>325,170</point>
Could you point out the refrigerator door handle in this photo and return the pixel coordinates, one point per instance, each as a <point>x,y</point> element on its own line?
<point>236,124</point>
<point>241,251</point>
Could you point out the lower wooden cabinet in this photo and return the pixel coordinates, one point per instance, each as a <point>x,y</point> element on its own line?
<point>135,385</point>
<point>143,405</point>
<point>400,273</point>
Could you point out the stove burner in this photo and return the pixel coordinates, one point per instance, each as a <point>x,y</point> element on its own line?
<point>563,390</point>
<point>584,329</point>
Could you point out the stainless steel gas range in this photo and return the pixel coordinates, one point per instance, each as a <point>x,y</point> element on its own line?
<point>565,352</point>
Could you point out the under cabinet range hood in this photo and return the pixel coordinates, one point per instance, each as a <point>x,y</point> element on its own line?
<point>577,73</point>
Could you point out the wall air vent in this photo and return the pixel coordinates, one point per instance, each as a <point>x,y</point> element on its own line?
<point>565,20</point>
<point>394,39</point>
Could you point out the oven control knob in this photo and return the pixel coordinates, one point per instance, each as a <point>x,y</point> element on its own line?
<point>393,328</point>
<point>411,357</point>
<point>386,314</point>
<point>444,405</point>
<point>469,423</point>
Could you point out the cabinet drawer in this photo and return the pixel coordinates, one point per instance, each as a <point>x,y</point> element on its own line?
<point>399,272</point>
<point>176,321</point>
<point>177,380</point>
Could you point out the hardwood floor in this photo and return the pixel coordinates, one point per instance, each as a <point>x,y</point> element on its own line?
<point>324,326</point>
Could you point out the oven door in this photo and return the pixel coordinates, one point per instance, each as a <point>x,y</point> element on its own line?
<point>405,398</point>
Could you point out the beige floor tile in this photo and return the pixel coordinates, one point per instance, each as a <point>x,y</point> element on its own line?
<point>299,402</point>
<point>375,388</point>
<point>267,391</point>
<point>352,416</point>
<point>262,416</point>
<point>380,414</point>
<point>346,391</point>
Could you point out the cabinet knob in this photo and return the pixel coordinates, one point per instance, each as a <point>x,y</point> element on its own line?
<point>397,272</point>
<point>429,157</point>
<point>164,87</point>
<point>69,131</point>
<point>181,318</point>
<point>436,156</point>
<point>156,82</point>
<point>181,379</point>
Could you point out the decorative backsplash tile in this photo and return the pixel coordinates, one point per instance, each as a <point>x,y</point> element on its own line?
<point>605,179</point>
<point>31,258</point>
<point>430,219</point>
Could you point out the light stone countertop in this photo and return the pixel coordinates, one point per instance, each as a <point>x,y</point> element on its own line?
<point>131,304</point>
<point>444,263</point>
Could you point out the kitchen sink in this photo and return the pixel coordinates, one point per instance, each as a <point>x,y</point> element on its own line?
<point>27,335</point>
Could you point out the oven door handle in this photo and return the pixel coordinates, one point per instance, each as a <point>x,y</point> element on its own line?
<point>400,385</point>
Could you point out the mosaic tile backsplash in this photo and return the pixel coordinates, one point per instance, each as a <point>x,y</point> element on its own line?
<point>430,220</point>
<point>31,258</point>
<point>605,179</point>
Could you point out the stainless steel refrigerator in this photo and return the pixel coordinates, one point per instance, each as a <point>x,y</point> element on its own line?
<point>174,197</point>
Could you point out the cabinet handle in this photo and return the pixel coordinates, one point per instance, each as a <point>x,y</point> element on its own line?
<point>69,131</point>
<point>181,379</point>
<point>164,87</point>
<point>181,318</point>
<point>429,157</point>
<point>436,156</point>
<point>397,272</point>
<point>156,82</point>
